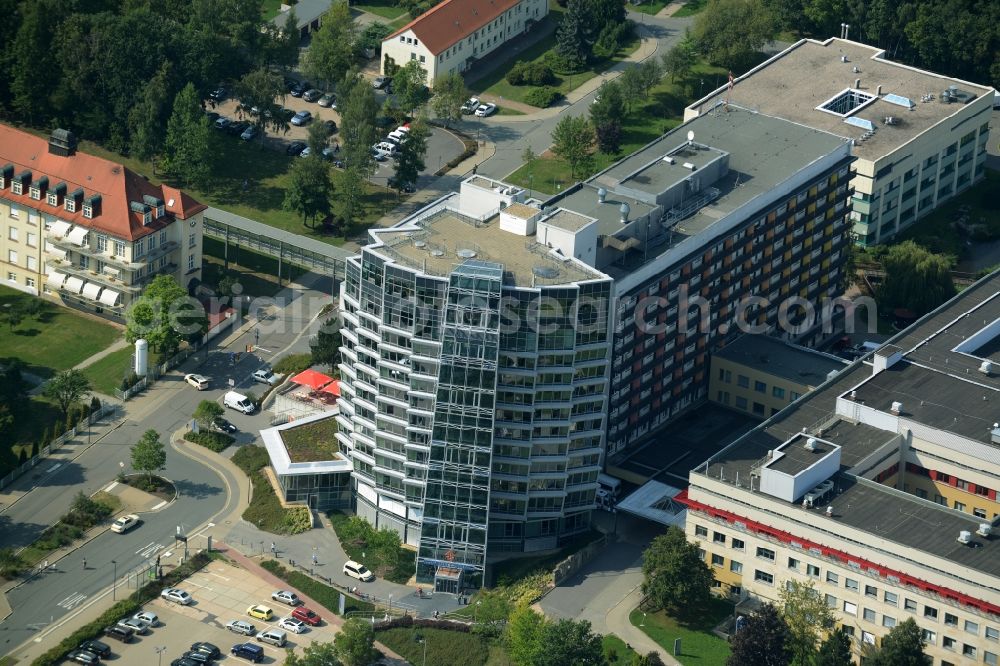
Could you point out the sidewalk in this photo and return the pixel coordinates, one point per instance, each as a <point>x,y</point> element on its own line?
<point>618,624</point>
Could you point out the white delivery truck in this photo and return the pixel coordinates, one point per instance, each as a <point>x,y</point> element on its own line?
<point>239,402</point>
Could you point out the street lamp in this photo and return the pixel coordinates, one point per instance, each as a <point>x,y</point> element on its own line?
<point>390,604</point>
<point>114,581</point>
<point>159,654</point>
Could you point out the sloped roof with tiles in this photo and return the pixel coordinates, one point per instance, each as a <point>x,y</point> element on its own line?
<point>452,21</point>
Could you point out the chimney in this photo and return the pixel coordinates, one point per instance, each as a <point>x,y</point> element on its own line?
<point>62,142</point>
<point>624,210</point>
<point>857,83</point>
<point>601,194</point>
<point>896,408</point>
<point>878,90</point>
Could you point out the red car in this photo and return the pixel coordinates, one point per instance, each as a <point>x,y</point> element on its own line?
<point>305,615</point>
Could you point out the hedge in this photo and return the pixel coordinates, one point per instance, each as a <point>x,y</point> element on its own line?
<point>213,441</point>
<point>542,97</point>
<point>251,458</point>
<point>324,594</point>
<point>121,609</point>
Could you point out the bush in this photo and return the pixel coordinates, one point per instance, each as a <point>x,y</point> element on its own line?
<point>382,548</point>
<point>542,97</point>
<point>325,595</point>
<point>213,441</point>
<point>130,380</point>
<point>251,458</point>
<point>612,37</point>
<point>531,74</point>
<point>293,364</point>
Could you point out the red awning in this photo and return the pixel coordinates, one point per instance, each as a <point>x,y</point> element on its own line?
<point>311,378</point>
<point>333,388</point>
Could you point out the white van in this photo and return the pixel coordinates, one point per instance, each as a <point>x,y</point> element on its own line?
<point>387,148</point>
<point>239,402</point>
<point>273,637</point>
<point>397,136</point>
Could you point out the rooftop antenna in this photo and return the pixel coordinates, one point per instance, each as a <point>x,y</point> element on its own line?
<point>845,31</point>
<point>690,137</point>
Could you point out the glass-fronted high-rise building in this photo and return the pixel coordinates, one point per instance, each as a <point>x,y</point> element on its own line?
<point>474,373</point>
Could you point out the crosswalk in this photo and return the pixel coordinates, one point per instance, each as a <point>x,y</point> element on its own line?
<point>72,601</point>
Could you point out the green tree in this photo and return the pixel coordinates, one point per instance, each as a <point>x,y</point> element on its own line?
<point>281,44</point>
<point>355,643</point>
<point>187,151</point>
<point>915,279</point>
<point>570,643</point>
<point>449,95</point>
<point>31,52</point>
<point>763,640</point>
<point>902,646</point>
<point>524,635</point>
<point>14,317</point>
<point>149,454</point>
<point>67,388</point>
<point>492,611</point>
<point>358,110</point>
<point>147,118</point>
<point>835,650</point>
<point>675,576</point>
<point>573,35</point>
<point>6,423</point>
<point>631,82</point>
<point>573,140</point>
<point>383,549</point>
<point>261,93</point>
<point>409,86</point>
<point>730,32</point>
<point>314,654</point>
<point>680,60</point>
<point>410,159</point>
<point>165,316</point>
<point>650,74</point>
<point>206,412</point>
<point>325,346</point>
<point>606,114</point>
<point>806,614</point>
<point>331,51</point>
<point>309,188</point>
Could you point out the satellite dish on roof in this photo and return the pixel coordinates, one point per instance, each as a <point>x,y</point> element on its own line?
<point>690,135</point>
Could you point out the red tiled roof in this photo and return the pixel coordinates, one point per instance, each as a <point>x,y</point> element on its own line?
<point>452,21</point>
<point>117,186</point>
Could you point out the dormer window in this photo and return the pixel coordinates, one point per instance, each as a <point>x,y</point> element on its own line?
<point>56,195</point>
<point>154,205</point>
<point>88,210</point>
<point>92,206</point>
<point>143,209</point>
<point>72,203</point>
<point>6,175</point>
<point>38,188</point>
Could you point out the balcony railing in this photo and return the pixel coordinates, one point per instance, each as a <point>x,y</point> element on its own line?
<point>113,260</point>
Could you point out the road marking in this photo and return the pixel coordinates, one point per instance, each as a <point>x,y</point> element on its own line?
<point>148,551</point>
<point>168,553</point>
<point>160,505</point>
<point>111,487</point>
<point>145,547</point>
<point>72,601</point>
<point>204,587</point>
<point>36,626</point>
<point>53,468</point>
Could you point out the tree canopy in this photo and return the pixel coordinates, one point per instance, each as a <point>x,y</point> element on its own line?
<point>67,388</point>
<point>165,316</point>
<point>835,650</point>
<point>206,412</point>
<point>331,51</point>
<point>731,32</point>
<point>449,95</point>
<point>806,613</point>
<point>902,646</point>
<point>355,643</point>
<point>675,577</point>
<point>915,279</point>
<point>762,641</point>
<point>149,454</point>
<point>607,113</point>
<point>573,140</point>
<point>531,640</point>
<point>310,190</point>
<point>187,150</point>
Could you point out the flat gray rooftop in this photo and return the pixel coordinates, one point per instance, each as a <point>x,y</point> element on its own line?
<point>584,200</point>
<point>660,174</point>
<point>773,356</point>
<point>797,458</point>
<point>793,83</point>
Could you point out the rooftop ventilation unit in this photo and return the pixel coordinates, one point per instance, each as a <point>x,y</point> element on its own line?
<point>601,194</point>
<point>829,511</point>
<point>420,244</point>
<point>810,444</point>
<point>986,367</point>
<point>856,70</point>
<point>668,159</point>
<point>965,536</point>
<point>437,253</point>
<point>688,165</point>
<point>985,529</point>
<point>547,272</point>
<point>832,374</point>
<point>891,120</point>
<point>624,210</point>
<point>896,408</point>
<point>843,58</point>
<point>466,254</point>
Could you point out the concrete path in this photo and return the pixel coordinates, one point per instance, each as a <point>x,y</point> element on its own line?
<point>618,623</point>
<point>120,343</point>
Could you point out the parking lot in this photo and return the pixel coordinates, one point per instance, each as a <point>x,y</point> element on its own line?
<point>221,593</point>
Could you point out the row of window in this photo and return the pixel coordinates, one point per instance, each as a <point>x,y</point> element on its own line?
<point>31,238</point>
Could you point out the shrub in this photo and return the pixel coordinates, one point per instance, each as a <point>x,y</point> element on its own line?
<point>298,520</point>
<point>293,364</point>
<point>381,547</point>
<point>251,458</point>
<point>325,595</point>
<point>443,646</point>
<point>213,441</point>
<point>542,97</point>
<point>130,380</point>
<point>531,74</point>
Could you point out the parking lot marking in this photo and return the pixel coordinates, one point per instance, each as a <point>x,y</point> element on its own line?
<point>111,487</point>
<point>210,573</point>
<point>53,468</point>
<point>72,601</point>
<point>160,505</point>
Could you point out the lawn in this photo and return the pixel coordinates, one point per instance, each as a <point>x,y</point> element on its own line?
<point>270,8</point>
<point>57,339</point>
<point>106,374</point>
<point>617,651</point>
<point>495,83</point>
<point>443,647</point>
<point>265,510</point>
<point>649,119</point>
<point>399,22</point>
<point>355,542</point>
<point>651,7</point>
<point>266,172</point>
<point>312,442</point>
<point>42,416</point>
<point>382,8</point>
<point>690,8</point>
<point>698,644</point>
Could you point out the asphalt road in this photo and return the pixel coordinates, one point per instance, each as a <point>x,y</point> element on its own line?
<point>48,598</point>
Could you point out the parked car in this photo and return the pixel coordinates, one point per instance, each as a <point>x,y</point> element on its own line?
<point>312,95</point>
<point>123,634</point>
<point>470,106</point>
<point>83,657</point>
<point>200,382</point>
<point>330,152</point>
<point>138,626</point>
<point>125,523</point>
<point>249,651</point>
<point>210,649</point>
<point>222,123</point>
<point>237,128</point>
<point>381,82</point>
<point>485,110</point>
<point>249,134</point>
<point>199,658</point>
<point>299,88</point>
<point>220,424</point>
<point>295,148</point>
<point>239,402</point>
<point>218,94</point>
<point>274,637</point>
<point>286,597</point>
<point>102,650</point>
<point>292,625</point>
<point>330,126</point>
<point>149,618</point>
<point>306,152</point>
<point>241,627</point>
<point>177,596</point>
<point>305,615</point>
<point>185,661</point>
<point>260,612</point>
<point>301,118</point>
<point>266,376</point>
<point>359,571</point>
<point>328,100</point>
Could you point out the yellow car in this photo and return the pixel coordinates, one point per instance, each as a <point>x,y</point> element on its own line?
<point>260,612</point>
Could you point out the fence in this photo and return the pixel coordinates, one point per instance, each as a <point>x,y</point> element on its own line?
<point>154,373</point>
<point>55,444</point>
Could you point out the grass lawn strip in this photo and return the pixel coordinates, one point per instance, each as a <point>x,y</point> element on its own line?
<point>106,374</point>
<point>381,8</point>
<point>616,650</point>
<point>265,510</point>
<point>57,340</point>
<point>444,647</point>
<point>312,442</point>
<point>698,644</point>
<point>652,8</point>
<point>690,8</point>
<point>323,594</point>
